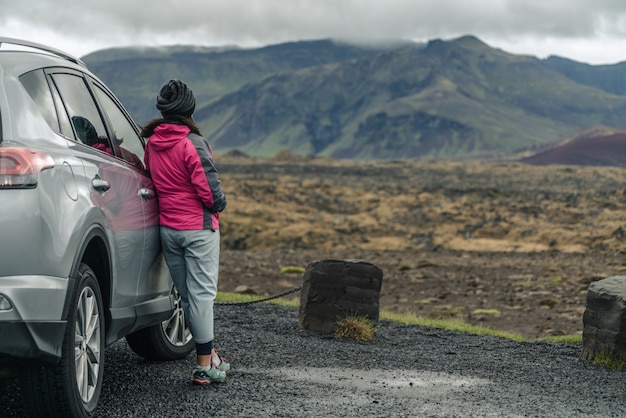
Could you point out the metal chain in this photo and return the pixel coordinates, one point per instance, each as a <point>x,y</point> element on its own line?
<point>295,289</point>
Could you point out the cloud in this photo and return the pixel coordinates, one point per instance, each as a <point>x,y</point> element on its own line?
<point>578,29</point>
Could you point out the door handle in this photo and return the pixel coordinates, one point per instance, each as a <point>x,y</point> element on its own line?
<point>100,185</point>
<point>146,193</point>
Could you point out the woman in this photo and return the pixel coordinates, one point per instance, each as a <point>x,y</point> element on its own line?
<point>180,162</point>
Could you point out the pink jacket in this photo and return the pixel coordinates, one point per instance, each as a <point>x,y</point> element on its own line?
<point>186,180</point>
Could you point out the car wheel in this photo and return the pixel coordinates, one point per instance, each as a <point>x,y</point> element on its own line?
<point>72,387</point>
<point>169,340</point>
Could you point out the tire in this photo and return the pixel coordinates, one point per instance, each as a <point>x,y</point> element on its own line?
<point>169,340</point>
<point>72,387</point>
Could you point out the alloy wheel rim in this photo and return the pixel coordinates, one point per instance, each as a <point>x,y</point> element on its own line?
<point>87,344</point>
<point>175,328</point>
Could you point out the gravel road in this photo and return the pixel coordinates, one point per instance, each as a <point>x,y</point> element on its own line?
<point>407,371</point>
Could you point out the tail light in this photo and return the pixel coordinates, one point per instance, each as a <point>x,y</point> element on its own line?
<point>20,167</point>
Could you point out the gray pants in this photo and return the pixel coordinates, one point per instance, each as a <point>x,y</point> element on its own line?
<point>193,260</point>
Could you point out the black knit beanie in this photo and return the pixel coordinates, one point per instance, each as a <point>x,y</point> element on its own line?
<point>175,98</point>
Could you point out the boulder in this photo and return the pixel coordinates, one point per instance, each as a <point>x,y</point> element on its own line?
<point>604,320</point>
<point>333,290</point>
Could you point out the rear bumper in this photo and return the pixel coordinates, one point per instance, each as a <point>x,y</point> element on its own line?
<point>32,327</point>
<point>40,341</point>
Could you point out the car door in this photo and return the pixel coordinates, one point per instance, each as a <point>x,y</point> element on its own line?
<point>153,273</point>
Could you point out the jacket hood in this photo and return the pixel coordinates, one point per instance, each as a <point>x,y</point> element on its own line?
<point>167,135</point>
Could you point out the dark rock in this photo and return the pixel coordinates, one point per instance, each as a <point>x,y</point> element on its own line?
<point>336,289</point>
<point>604,320</point>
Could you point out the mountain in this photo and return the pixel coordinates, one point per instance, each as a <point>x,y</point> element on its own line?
<point>610,78</point>
<point>447,100</point>
<point>136,74</point>
<point>609,150</point>
<point>443,100</point>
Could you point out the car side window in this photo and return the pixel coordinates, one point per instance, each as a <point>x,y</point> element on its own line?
<point>37,87</point>
<point>82,111</point>
<point>125,134</point>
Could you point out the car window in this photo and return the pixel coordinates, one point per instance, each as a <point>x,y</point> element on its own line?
<point>82,111</point>
<point>128,140</point>
<point>64,121</point>
<point>37,87</point>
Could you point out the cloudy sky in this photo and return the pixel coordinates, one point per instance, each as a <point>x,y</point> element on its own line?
<point>583,30</point>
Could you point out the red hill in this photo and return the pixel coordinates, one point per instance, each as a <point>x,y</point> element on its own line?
<point>608,150</point>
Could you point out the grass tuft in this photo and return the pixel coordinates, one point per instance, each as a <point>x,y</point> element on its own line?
<point>605,359</point>
<point>555,280</point>
<point>457,325</point>
<point>563,339</point>
<point>359,329</point>
<point>425,263</point>
<point>292,270</point>
<point>492,312</point>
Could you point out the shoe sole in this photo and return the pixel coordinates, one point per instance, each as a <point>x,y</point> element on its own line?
<point>201,382</point>
<point>197,381</point>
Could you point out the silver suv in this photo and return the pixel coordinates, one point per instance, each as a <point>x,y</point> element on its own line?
<point>80,260</point>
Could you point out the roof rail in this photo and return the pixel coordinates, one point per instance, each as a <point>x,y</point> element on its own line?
<point>45,48</point>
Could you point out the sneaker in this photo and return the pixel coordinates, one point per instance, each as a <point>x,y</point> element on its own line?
<point>206,375</point>
<point>219,362</point>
